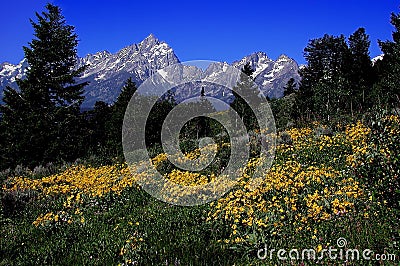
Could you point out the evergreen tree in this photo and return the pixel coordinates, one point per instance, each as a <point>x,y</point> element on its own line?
<point>202,93</point>
<point>389,83</point>
<point>3,145</point>
<point>202,122</point>
<point>282,109</point>
<point>290,87</point>
<point>247,69</point>
<point>325,80</point>
<point>246,88</point>
<point>42,119</point>
<point>203,126</point>
<point>99,119</point>
<point>123,99</point>
<point>118,112</point>
<point>361,72</point>
<point>156,118</point>
<point>304,105</point>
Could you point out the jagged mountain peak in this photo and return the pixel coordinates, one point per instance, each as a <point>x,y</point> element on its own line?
<point>258,55</point>
<point>253,59</point>
<point>149,41</point>
<point>284,57</point>
<point>259,61</point>
<point>90,59</point>
<point>149,48</point>
<point>151,37</point>
<point>103,53</point>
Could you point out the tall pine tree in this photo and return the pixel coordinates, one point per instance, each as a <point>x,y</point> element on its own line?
<point>389,83</point>
<point>290,87</point>
<point>114,126</point>
<point>325,81</point>
<point>361,72</point>
<point>42,118</point>
<point>246,87</point>
<point>98,127</point>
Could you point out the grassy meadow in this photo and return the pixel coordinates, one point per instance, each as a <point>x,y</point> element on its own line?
<point>325,183</point>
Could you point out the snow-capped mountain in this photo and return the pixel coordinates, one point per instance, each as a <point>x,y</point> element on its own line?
<point>107,72</point>
<point>9,72</point>
<point>271,76</point>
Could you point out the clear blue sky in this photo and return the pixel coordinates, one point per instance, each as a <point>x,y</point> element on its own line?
<point>215,30</point>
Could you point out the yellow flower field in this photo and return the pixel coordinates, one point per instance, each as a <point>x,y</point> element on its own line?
<point>313,182</point>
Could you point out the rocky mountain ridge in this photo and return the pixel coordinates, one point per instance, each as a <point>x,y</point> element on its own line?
<point>106,72</point>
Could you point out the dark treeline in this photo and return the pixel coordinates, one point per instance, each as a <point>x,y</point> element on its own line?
<point>42,121</point>
<point>340,81</point>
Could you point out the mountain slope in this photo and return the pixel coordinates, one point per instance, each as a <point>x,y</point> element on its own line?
<point>107,72</point>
